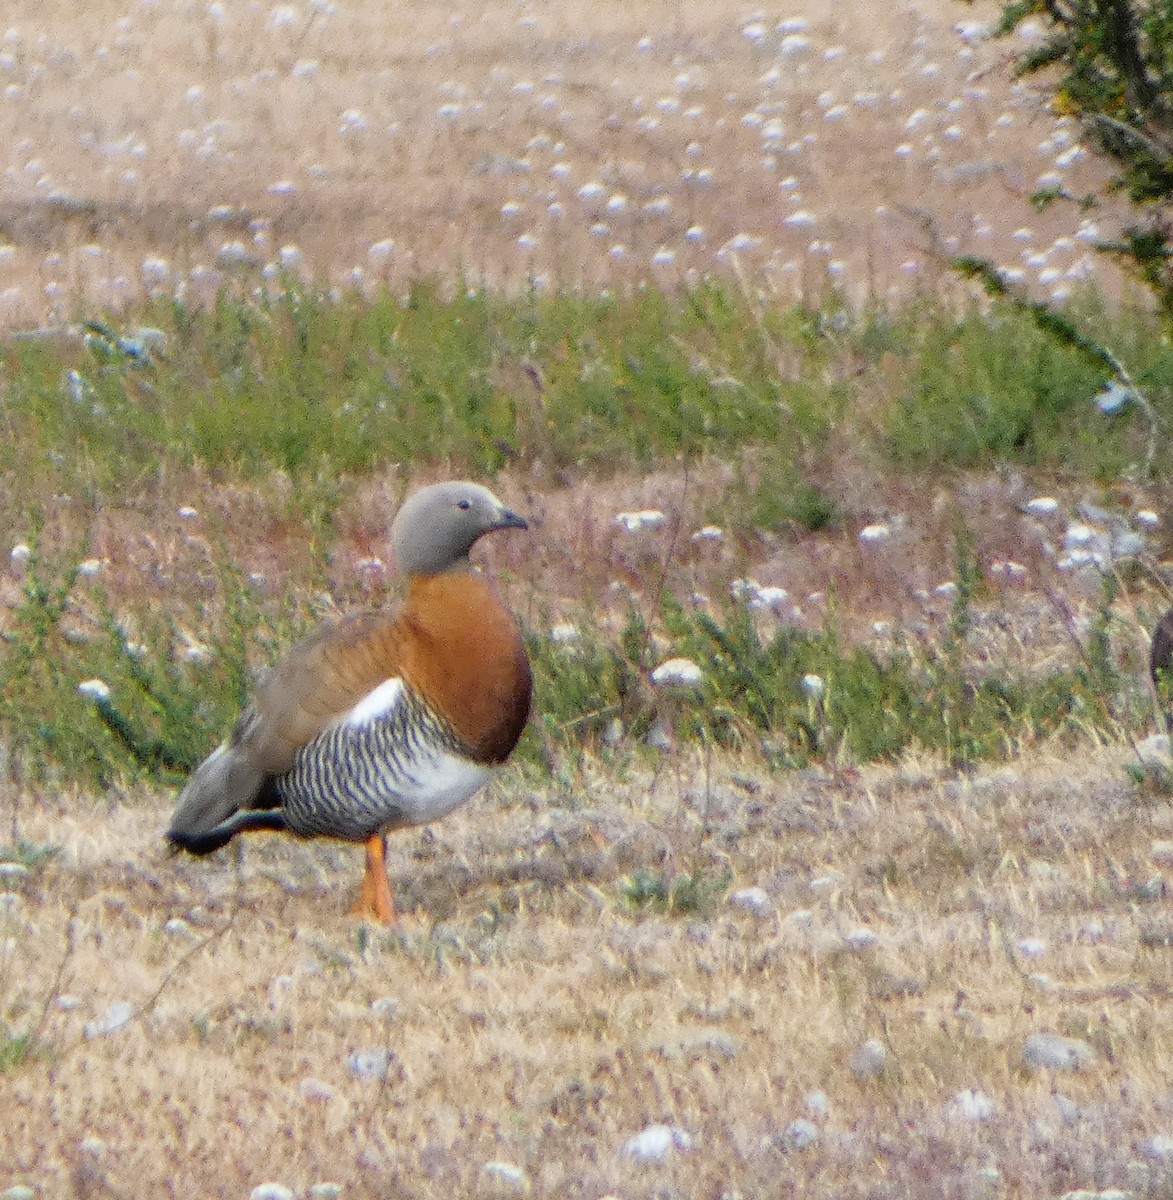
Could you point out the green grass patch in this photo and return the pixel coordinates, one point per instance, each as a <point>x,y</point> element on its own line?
<point>798,697</point>
<point>676,893</point>
<point>167,702</point>
<point>990,387</point>
<point>320,388</point>
<point>15,1049</point>
<point>28,854</point>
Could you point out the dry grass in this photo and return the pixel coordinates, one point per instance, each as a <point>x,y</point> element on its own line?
<point>577,561</point>
<point>139,141</point>
<point>537,1020</point>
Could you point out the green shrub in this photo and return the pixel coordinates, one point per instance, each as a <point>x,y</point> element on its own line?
<point>990,388</point>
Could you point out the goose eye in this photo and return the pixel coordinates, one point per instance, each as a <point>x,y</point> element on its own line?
<point>464,505</point>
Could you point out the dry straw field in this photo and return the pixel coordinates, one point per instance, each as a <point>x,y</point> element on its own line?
<point>161,145</point>
<point>852,1019</point>
<point>638,975</point>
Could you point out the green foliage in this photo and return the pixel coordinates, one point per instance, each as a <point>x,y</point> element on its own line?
<point>811,509</point>
<point>992,387</point>
<point>871,707</point>
<point>1111,63</point>
<point>28,854</point>
<point>580,688</point>
<point>314,388</point>
<point>320,389</point>
<point>168,702</point>
<point>681,894</point>
<point>15,1049</point>
<point>317,388</point>
<point>771,493</point>
<point>31,683</point>
<point>166,708</point>
<point>964,745</point>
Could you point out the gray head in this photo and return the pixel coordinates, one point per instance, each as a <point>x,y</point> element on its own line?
<point>437,526</point>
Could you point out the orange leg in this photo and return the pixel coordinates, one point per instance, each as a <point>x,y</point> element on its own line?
<point>376,900</point>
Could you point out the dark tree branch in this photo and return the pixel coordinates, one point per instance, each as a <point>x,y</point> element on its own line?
<point>1119,17</point>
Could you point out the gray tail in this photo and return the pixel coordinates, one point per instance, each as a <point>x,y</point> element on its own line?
<point>227,795</point>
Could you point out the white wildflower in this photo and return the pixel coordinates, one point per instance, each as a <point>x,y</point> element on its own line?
<point>677,673</point>
<point>875,535</point>
<point>94,689</point>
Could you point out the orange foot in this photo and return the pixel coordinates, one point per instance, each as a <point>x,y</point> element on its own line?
<point>376,901</point>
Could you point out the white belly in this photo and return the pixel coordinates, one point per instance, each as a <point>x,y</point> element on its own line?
<point>437,785</point>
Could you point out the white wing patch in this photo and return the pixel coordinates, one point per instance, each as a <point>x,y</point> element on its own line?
<point>375,703</point>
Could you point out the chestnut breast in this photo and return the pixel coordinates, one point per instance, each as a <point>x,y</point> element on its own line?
<point>461,649</point>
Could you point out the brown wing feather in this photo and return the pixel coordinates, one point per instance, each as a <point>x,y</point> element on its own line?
<point>316,683</point>
<point>453,640</point>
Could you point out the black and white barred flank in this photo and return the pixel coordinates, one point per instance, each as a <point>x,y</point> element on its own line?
<point>402,766</point>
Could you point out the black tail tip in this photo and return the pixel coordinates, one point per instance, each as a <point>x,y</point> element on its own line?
<point>207,841</point>
<point>198,844</point>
